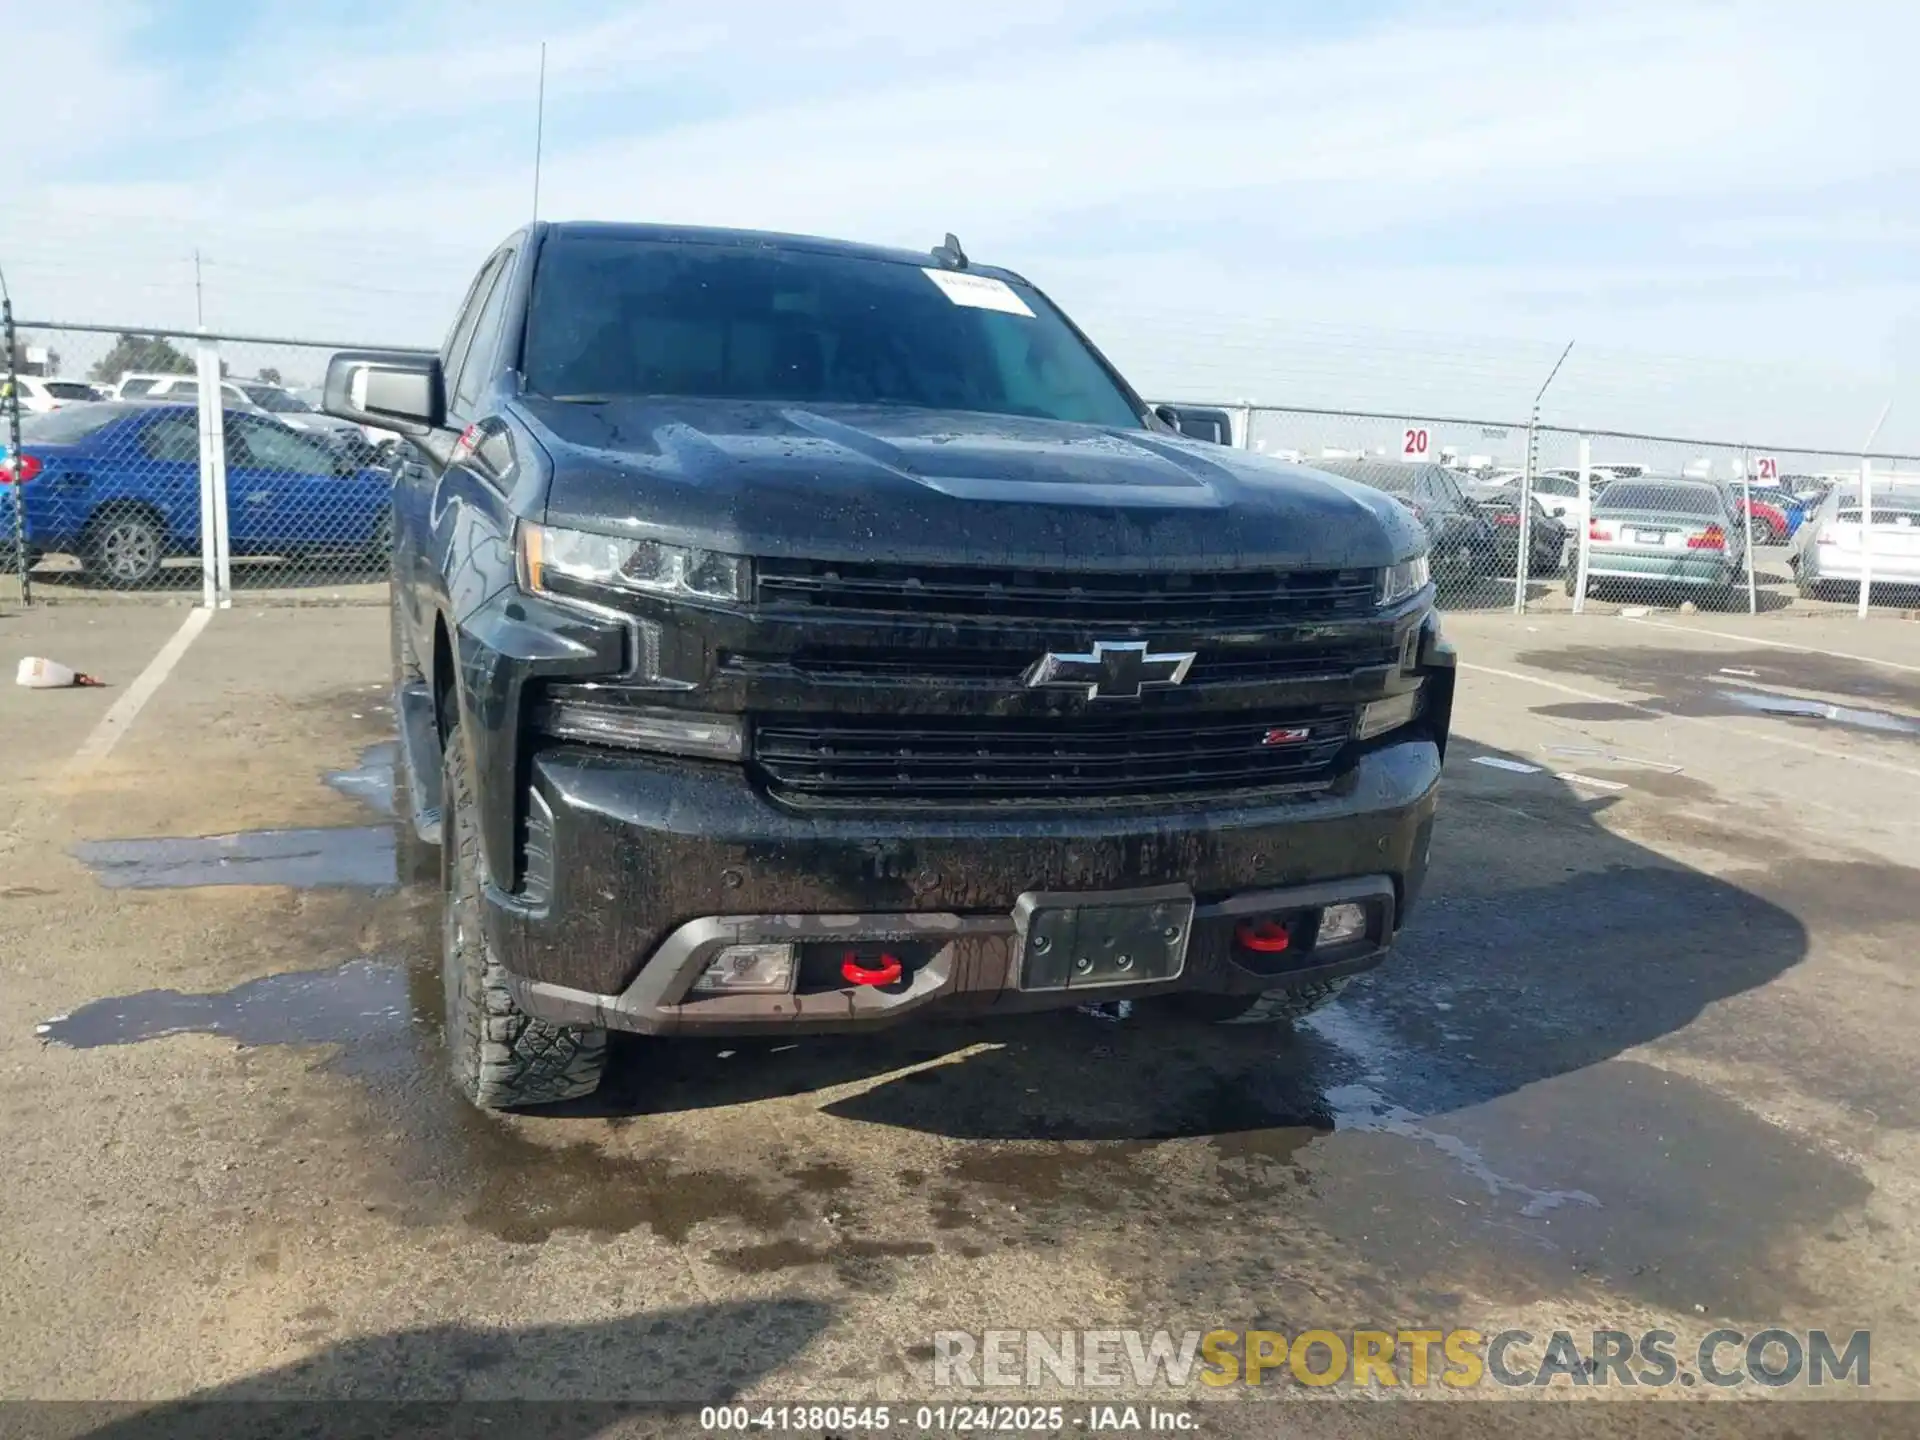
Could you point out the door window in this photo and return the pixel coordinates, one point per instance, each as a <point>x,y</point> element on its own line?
<point>265,447</point>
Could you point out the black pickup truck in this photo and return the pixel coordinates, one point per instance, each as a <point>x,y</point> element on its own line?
<point>793,636</point>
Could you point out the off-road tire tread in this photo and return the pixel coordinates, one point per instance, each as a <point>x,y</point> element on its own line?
<point>502,1057</point>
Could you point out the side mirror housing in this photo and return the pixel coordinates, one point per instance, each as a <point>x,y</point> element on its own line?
<point>1213,426</point>
<point>390,390</point>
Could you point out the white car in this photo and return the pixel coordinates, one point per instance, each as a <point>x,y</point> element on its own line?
<point>1833,547</point>
<point>1560,498</point>
<point>42,393</point>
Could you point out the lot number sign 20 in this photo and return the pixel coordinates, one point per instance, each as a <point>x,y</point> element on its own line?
<point>1413,445</point>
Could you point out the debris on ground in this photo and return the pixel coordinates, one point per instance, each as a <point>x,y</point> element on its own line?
<point>1574,778</point>
<point>1496,762</point>
<point>38,673</point>
<point>1108,1009</point>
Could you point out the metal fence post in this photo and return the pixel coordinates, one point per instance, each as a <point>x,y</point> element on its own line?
<point>1866,536</point>
<point>1746,489</point>
<point>215,579</point>
<point>1586,525</point>
<point>1246,427</point>
<point>1526,488</point>
<point>13,453</point>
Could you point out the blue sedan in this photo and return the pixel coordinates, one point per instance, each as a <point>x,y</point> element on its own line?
<point>118,485</point>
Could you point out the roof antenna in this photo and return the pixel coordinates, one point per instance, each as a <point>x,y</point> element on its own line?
<point>950,254</point>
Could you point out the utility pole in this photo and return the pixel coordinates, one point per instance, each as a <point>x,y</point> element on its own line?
<point>1526,488</point>
<point>199,301</point>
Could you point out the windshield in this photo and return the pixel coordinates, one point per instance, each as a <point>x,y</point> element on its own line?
<point>66,425</point>
<point>69,390</point>
<point>1662,499</point>
<point>614,317</point>
<point>135,387</point>
<point>272,398</point>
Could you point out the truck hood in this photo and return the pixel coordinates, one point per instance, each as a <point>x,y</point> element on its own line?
<point>838,482</point>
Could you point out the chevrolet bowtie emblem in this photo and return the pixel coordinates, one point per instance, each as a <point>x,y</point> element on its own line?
<point>1112,670</point>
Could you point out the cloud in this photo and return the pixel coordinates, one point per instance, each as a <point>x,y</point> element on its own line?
<point>1707,179</point>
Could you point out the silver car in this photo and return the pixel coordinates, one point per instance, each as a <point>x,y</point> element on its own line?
<point>1832,548</point>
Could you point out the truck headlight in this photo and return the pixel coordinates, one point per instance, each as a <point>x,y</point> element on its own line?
<point>610,562</point>
<point>1397,582</point>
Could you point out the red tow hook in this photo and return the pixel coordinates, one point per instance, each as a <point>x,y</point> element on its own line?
<point>854,973</point>
<point>1264,937</point>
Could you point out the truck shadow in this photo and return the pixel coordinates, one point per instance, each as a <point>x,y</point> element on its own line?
<point>467,1380</point>
<point>1544,944</point>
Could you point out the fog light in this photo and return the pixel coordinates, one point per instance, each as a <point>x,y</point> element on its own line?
<point>1377,717</point>
<point>1341,923</point>
<point>748,969</point>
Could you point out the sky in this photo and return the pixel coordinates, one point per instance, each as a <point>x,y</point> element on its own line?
<point>1404,206</point>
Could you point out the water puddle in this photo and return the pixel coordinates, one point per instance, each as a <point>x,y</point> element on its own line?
<point>354,856</point>
<point>362,1005</point>
<point>371,781</point>
<point>1767,703</point>
<point>1356,1107</point>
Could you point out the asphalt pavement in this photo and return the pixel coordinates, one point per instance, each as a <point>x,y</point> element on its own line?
<point>1643,1059</point>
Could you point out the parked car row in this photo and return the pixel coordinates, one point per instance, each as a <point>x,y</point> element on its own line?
<point>41,393</point>
<point>117,484</point>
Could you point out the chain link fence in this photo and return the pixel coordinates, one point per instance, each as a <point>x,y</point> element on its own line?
<point>1508,519</point>
<point>156,464</point>
<point>195,466</point>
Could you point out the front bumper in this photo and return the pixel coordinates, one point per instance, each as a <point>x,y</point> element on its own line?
<point>638,870</point>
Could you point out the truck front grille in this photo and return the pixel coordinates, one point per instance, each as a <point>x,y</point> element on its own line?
<point>1003,667</point>
<point>856,760</point>
<point>1132,598</point>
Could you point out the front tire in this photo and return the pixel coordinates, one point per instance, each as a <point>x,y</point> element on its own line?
<point>502,1058</point>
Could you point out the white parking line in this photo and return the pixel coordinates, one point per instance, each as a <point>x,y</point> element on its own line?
<point>1772,644</point>
<point>1746,734</point>
<point>105,735</point>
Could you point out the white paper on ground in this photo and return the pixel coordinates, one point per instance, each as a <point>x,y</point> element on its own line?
<point>1574,779</point>
<point>978,292</point>
<point>1495,762</point>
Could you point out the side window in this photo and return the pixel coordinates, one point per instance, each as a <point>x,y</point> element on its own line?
<point>454,356</point>
<point>269,447</point>
<point>173,439</point>
<point>477,364</point>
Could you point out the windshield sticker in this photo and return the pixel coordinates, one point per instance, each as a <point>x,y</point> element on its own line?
<point>979,292</point>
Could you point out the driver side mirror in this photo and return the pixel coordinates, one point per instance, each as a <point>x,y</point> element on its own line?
<point>390,390</point>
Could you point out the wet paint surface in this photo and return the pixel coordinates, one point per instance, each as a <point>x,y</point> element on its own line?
<point>354,856</point>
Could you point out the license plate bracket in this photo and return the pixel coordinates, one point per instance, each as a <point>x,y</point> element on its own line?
<point>1090,939</point>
